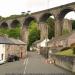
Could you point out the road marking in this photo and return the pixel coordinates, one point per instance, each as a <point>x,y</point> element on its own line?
<point>25,62</point>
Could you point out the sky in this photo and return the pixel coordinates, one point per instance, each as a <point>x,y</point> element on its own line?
<point>11,7</point>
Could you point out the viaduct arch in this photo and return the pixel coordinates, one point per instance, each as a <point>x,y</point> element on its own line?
<point>40,16</point>
<point>4,25</point>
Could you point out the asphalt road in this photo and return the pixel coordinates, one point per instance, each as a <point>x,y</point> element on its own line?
<point>33,64</point>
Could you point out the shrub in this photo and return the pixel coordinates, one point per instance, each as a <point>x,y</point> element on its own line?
<point>15,33</point>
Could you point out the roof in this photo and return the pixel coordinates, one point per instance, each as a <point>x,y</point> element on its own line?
<point>16,41</point>
<point>63,37</point>
<point>6,40</point>
<point>38,41</point>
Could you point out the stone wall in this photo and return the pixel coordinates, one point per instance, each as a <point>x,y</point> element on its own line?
<point>19,50</point>
<point>67,24</point>
<point>66,62</point>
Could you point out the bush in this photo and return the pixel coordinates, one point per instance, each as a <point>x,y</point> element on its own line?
<point>15,33</point>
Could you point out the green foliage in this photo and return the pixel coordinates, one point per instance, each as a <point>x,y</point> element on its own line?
<point>34,33</point>
<point>65,31</point>
<point>17,26</point>
<point>51,28</point>
<point>73,24</point>
<point>68,52</point>
<point>3,31</point>
<point>14,32</point>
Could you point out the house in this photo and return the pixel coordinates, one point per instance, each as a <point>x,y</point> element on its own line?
<point>40,44</point>
<point>62,41</point>
<point>11,46</point>
<point>71,39</point>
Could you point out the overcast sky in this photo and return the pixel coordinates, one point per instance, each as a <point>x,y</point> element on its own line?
<point>10,7</point>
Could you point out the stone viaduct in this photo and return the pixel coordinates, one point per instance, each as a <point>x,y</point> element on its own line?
<point>40,17</point>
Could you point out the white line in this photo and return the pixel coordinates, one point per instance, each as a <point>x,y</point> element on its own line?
<point>25,66</point>
<point>24,61</point>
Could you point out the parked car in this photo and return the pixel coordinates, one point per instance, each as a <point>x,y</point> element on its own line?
<point>12,58</point>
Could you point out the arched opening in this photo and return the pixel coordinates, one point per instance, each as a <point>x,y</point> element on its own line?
<point>71,17</point>
<point>28,21</point>
<point>48,26</point>
<point>4,28</point>
<point>15,30</point>
<point>64,12</point>
<point>66,17</point>
<point>15,24</point>
<point>4,25</point>
<point>44,17</point>
<point>30,31</point>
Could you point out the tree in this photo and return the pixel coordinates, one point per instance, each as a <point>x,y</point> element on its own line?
<point>51,28</point>
<point>34,33</point>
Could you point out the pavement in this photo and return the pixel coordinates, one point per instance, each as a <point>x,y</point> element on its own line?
<point>34,64</point>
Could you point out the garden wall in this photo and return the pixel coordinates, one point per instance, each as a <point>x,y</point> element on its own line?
<point>67,62</point>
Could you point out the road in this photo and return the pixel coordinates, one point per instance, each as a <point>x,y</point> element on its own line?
<point>33,64</point>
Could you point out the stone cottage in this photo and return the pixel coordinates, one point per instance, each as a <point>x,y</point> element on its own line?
<point>63,41</point>
<point>40,45</point>
<point>13,47</point>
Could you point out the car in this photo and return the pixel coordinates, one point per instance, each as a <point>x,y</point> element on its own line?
<point>12,58</point>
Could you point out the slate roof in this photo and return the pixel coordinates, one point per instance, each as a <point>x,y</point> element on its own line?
<point>5,40</point>
<point>38,41</point>
<point>16,41</point>
<point>63,37</point>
